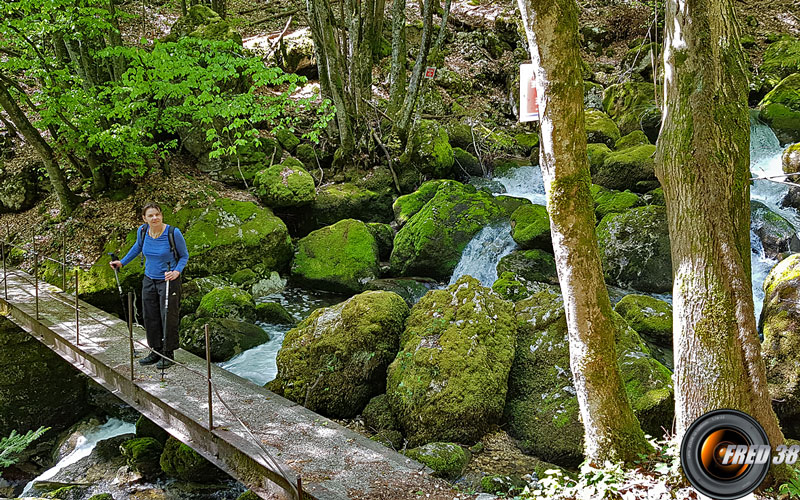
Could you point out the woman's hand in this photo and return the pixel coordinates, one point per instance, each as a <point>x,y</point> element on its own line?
<point>171,275</point>
<point>115,264</point>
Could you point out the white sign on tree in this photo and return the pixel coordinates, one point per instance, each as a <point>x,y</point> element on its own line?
<point>528,106</point>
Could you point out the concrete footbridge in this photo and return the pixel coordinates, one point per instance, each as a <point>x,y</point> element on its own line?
<point>274,446</point>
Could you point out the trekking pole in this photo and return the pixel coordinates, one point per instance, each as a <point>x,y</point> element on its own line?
<point>119,286</point>
<point>164,333</point>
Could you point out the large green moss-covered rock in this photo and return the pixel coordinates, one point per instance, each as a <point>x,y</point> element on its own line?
<point>348,201</point>
<point>378,414</point>
<point>410,289</point>
<point>335,361</point>
<point>283,186</point>
<point>428,150</point>
<point>404,207</point>
<point>609,201</point>
<point>790,161</point>
<point>780,109</point>
<point>202,22</point>
<point>341,258</point>
<point>597,155</point>
<point>37,387</point>
<point>781,59</point>
<point>513,287</point>
<point>384,237</point>
<point>227,302</point>
<point>431,242</point>
<point>632,106</point>
<point>600,128</point>
<point>533,265</point>
<point>182,462</point>
<point>777,234</point>
<point>632,168</point>
<point>227,337</point>
<point>192,292</point>
<point>466,163</point>
<point>635,138</point>
<point>649,316</point>
<point>448,382</point>
<point>781,346</point>
<point>530,227</point>
<point>142,455</point>
<point>634,248</point>
<point>447,460</point>
<point>542,409</point>
<point>147,428</point>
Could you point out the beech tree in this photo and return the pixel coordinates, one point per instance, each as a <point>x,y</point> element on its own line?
<point>702,162</point>
<point>612,432</point>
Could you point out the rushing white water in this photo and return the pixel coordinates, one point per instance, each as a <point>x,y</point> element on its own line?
<point>483,252</point>
<point>84,446</point>
<point>525,182</point>
<point>258,364</point>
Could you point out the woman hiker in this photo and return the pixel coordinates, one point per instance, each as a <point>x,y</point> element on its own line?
<point>165,254</point>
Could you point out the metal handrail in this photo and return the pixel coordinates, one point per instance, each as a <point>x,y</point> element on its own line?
<point>298,490</point>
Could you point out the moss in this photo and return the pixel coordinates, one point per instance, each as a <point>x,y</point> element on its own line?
<point>511,287</point>
<point>410,289</point>
<point>781,59</point>
<point>287,139</point>
<point>431,242</point>
<point>227,302</point>
<point>193,291</point>
<point>227,337</point>
<point>655,197</point>
<point>502,484</point>
<point>102,496</point>
<point>649,316</point>
<point>408,205</point>
<point>600,128</point>
<point>147,428</point>
<point>182,462</point>
<point>608,201</point>
<point>244,277</point>
<point>307,156</point>
<point>142,455</point>
<point>64,493</point>
<point>335,360</point>
<point>378,414</point>
<point>635,138</point>
<point>532,265</point>
<point>340,258</point>
<point>384,237</point>
<point>530,227</point>
<point>448,382</point>
<point>635,250</point>
<point>389,438</point>
<point>347,201</point>
<point>273,313</point>
<point>780,109</point>
<point>632,106</point>
<point>284,186</point>
<point>248,495</point>
<point>632,168</point>
<point>202,22</point>
<point>528,140</point>
<point>447,460</point>
<point>597,155</point>
<point>428,150</point>
<point>466,162</point>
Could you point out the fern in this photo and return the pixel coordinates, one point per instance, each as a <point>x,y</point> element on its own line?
<point>792,488</point>
<point>15,443</point>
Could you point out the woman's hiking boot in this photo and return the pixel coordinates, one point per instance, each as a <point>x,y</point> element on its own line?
<point>151,358</point>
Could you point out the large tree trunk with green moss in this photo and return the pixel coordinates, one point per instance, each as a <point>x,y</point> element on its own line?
<point>67,199</point>
<point>612,432</point>
<point>702,161</point>
<point>397,75</point>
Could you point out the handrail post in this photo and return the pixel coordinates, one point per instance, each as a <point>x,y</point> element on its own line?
<point>208,369</point>
<point>299,488</point>
<point>5,273</point>
<point>36,275</point>
<point>130,329</point>
<point>77,313</point>
<point>63,261</point>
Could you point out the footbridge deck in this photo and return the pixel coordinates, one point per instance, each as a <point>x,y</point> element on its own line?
<point>332,461</point>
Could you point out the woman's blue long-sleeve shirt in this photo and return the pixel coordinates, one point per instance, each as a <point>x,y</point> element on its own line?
<point>158,257</point>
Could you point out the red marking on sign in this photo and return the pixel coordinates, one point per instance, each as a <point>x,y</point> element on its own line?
<point>430,72</point>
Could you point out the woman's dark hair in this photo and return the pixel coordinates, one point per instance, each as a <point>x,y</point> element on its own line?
<point>148,206</point>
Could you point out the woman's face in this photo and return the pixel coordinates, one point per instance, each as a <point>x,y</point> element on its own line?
<point>152,216</point>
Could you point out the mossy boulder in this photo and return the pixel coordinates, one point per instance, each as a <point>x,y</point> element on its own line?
<point>406,206</point>
<point>347,201</point>
<point>341,258</point>
<point>378,414</point>
<point>431,242</point>
<point>227,337</point>
<point>287,139</point>
<point>238,170</point>
<point>638,60</point>
<point>466,164</point>
<point>780,109</point>
<point>632,106</point>
<point>273,313</point>
<point>428,150</point>
<point>142,455</point>
<point>192,292</point>
<point>542,409</point>
<point>649,316</point>
<point>384,237</point>
<point>781,59</point>
<point>600,128</point>
<point>448,460</point>
<point>282,186</point>
<point>512,287</point>
<point>410,289</point>
<point>597,154</point>
<point>781,345</point>
<point>533,265</point>
<point>777,234</point>
<point>335,360</point>
<point>530,227</point>
<point>790,161</point>
<point>634,248</point>
<point>632,168</point>
<point>227,302</point>
<point>147,428</point>
<point>448,382</point>
<point>609,201</point>
<point>37,388</point>
<point>20,188</point>
<point>202,22</point>
<point>635,138</point>
<point>183,463</point>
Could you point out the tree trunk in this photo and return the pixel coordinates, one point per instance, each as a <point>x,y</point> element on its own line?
<point>443,30</point>
<point>403,124</point>
<point>703,161</point>
<point>397,74</point>
<point>66,198</point>
<point>612,432</point>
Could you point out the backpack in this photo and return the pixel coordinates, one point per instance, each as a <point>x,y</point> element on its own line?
<point>170,236</point>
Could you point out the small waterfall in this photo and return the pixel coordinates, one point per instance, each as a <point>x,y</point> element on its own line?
<point>761,266</point>
<point>85,445</point>
<point>525,182</point>
<point>484,251</point>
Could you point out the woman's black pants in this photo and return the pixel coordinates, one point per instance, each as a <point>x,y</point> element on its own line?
<point>153,305</point>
